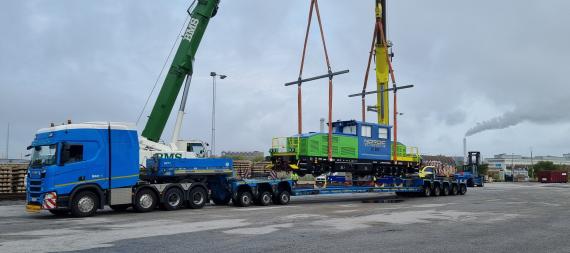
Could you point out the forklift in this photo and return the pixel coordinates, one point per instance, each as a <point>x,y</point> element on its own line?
<point>471,171</point>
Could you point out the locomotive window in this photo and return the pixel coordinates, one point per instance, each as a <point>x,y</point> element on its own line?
<point>366,131</point>
<point>349,130</point>
<point>382,133</point>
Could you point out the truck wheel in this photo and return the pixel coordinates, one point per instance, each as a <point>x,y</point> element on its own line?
<point>243,199</point>
<point>462,189</point>
<point>197,198</point>
<point>59,212</point>
<point>264,199</point>
<point>454,190</point>
<point>84,204</point>
<point>120,208</point>
<point>427,191</point>
<point>470,183</point>
<point>173,199</point>
<point>282,198</point>
<point>145,201</point>
<point>445,190</point>
<point>436,191</point>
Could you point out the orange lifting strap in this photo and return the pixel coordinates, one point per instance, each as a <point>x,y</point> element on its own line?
<point>315,8</point>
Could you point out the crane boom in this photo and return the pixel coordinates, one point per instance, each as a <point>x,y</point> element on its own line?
<point>382,68</point>
<point>181,68</point>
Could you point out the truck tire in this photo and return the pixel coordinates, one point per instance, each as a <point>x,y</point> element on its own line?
<point>243,199</point>
<point>197,198</point>
<point>173,199</point>
<point>454,190</point>
<point>462,189</point>
<point>145,201</point>
<point>59,212</point>
<point>282,198</point>
<point>84,204</point>
<point>264,199</point>
<point>426,191</point>
<point>445,190</point>
<point>436,191</point>
<point>120,208</point>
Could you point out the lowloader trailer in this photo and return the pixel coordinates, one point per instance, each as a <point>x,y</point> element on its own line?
<point>278,191</point>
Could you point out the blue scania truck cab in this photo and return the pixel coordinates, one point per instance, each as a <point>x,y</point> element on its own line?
<point>80,168</point>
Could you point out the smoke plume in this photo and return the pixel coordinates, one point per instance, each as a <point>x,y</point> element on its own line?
<point>501,122</point>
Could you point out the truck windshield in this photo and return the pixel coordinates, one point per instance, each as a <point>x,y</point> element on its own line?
<point>44,155</point>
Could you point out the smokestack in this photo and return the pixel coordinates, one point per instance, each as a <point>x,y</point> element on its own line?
<point>322,129</point>
<point>464,150</point>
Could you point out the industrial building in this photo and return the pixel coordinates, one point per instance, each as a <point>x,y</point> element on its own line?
<point>502,164</point>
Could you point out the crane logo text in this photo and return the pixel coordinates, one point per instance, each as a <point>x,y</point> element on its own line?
<point>191,29</point>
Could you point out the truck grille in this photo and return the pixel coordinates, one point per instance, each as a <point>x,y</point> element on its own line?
<point>34,188</point>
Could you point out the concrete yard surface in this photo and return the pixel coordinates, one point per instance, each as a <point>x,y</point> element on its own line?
<point>501,217</point>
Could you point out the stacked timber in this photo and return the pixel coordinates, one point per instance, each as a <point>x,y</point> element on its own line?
<point>243,168</point>
<point>19,178</point>
<point>262,169</point>
<point>5,179</point>
<point>13,177</point>
<point>444,165</point>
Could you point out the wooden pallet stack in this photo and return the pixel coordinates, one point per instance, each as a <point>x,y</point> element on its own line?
<point>19,178</point>
<point>243,168</point>
<point>261,169</point>
<point>5,179</point>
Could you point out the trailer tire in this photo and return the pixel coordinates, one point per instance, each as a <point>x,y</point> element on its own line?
<point>84,204</point>
<point>244,199</point>
<point>173,199</point>
<point>145,200</point>
<point>445,190</point>
<point>436,191</point>
<point>59,212</point>
<point>264,199</point>
<point>426,191</point>
<point>120,208</point>
<point>454,190</point>
<point>197,198</point>
<point>282,198</point>
<point>462,189</point>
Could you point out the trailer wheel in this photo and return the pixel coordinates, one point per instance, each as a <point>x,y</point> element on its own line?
<point>462,189</point>
<point>454,190</point>
<point>84,204</point>
<point>282,198</point>
<point>427,191</point>
<point>244,199</point>
<point>445,190</point>
<point>120,208</point>
<point>197,198</point>
<point>173,199</point>
<point>264,199</point>
<point>145,201</point>
<point>436,191</point>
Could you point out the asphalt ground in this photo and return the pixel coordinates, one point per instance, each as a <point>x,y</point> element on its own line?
<point>502,217</point>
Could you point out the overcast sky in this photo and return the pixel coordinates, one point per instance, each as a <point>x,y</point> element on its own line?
<point>475,65</point>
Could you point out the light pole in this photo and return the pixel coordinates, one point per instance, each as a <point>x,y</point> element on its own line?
<point>513,166</point>
<point>214,75</point>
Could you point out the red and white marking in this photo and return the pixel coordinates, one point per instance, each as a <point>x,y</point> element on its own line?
<point>50,200</point>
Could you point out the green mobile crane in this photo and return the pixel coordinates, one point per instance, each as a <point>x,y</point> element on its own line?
<point>180,72</point>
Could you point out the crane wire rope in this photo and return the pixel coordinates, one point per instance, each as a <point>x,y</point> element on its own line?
<point>165,63</point>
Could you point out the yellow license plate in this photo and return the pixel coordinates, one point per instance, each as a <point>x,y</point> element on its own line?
<point>33,208</point>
